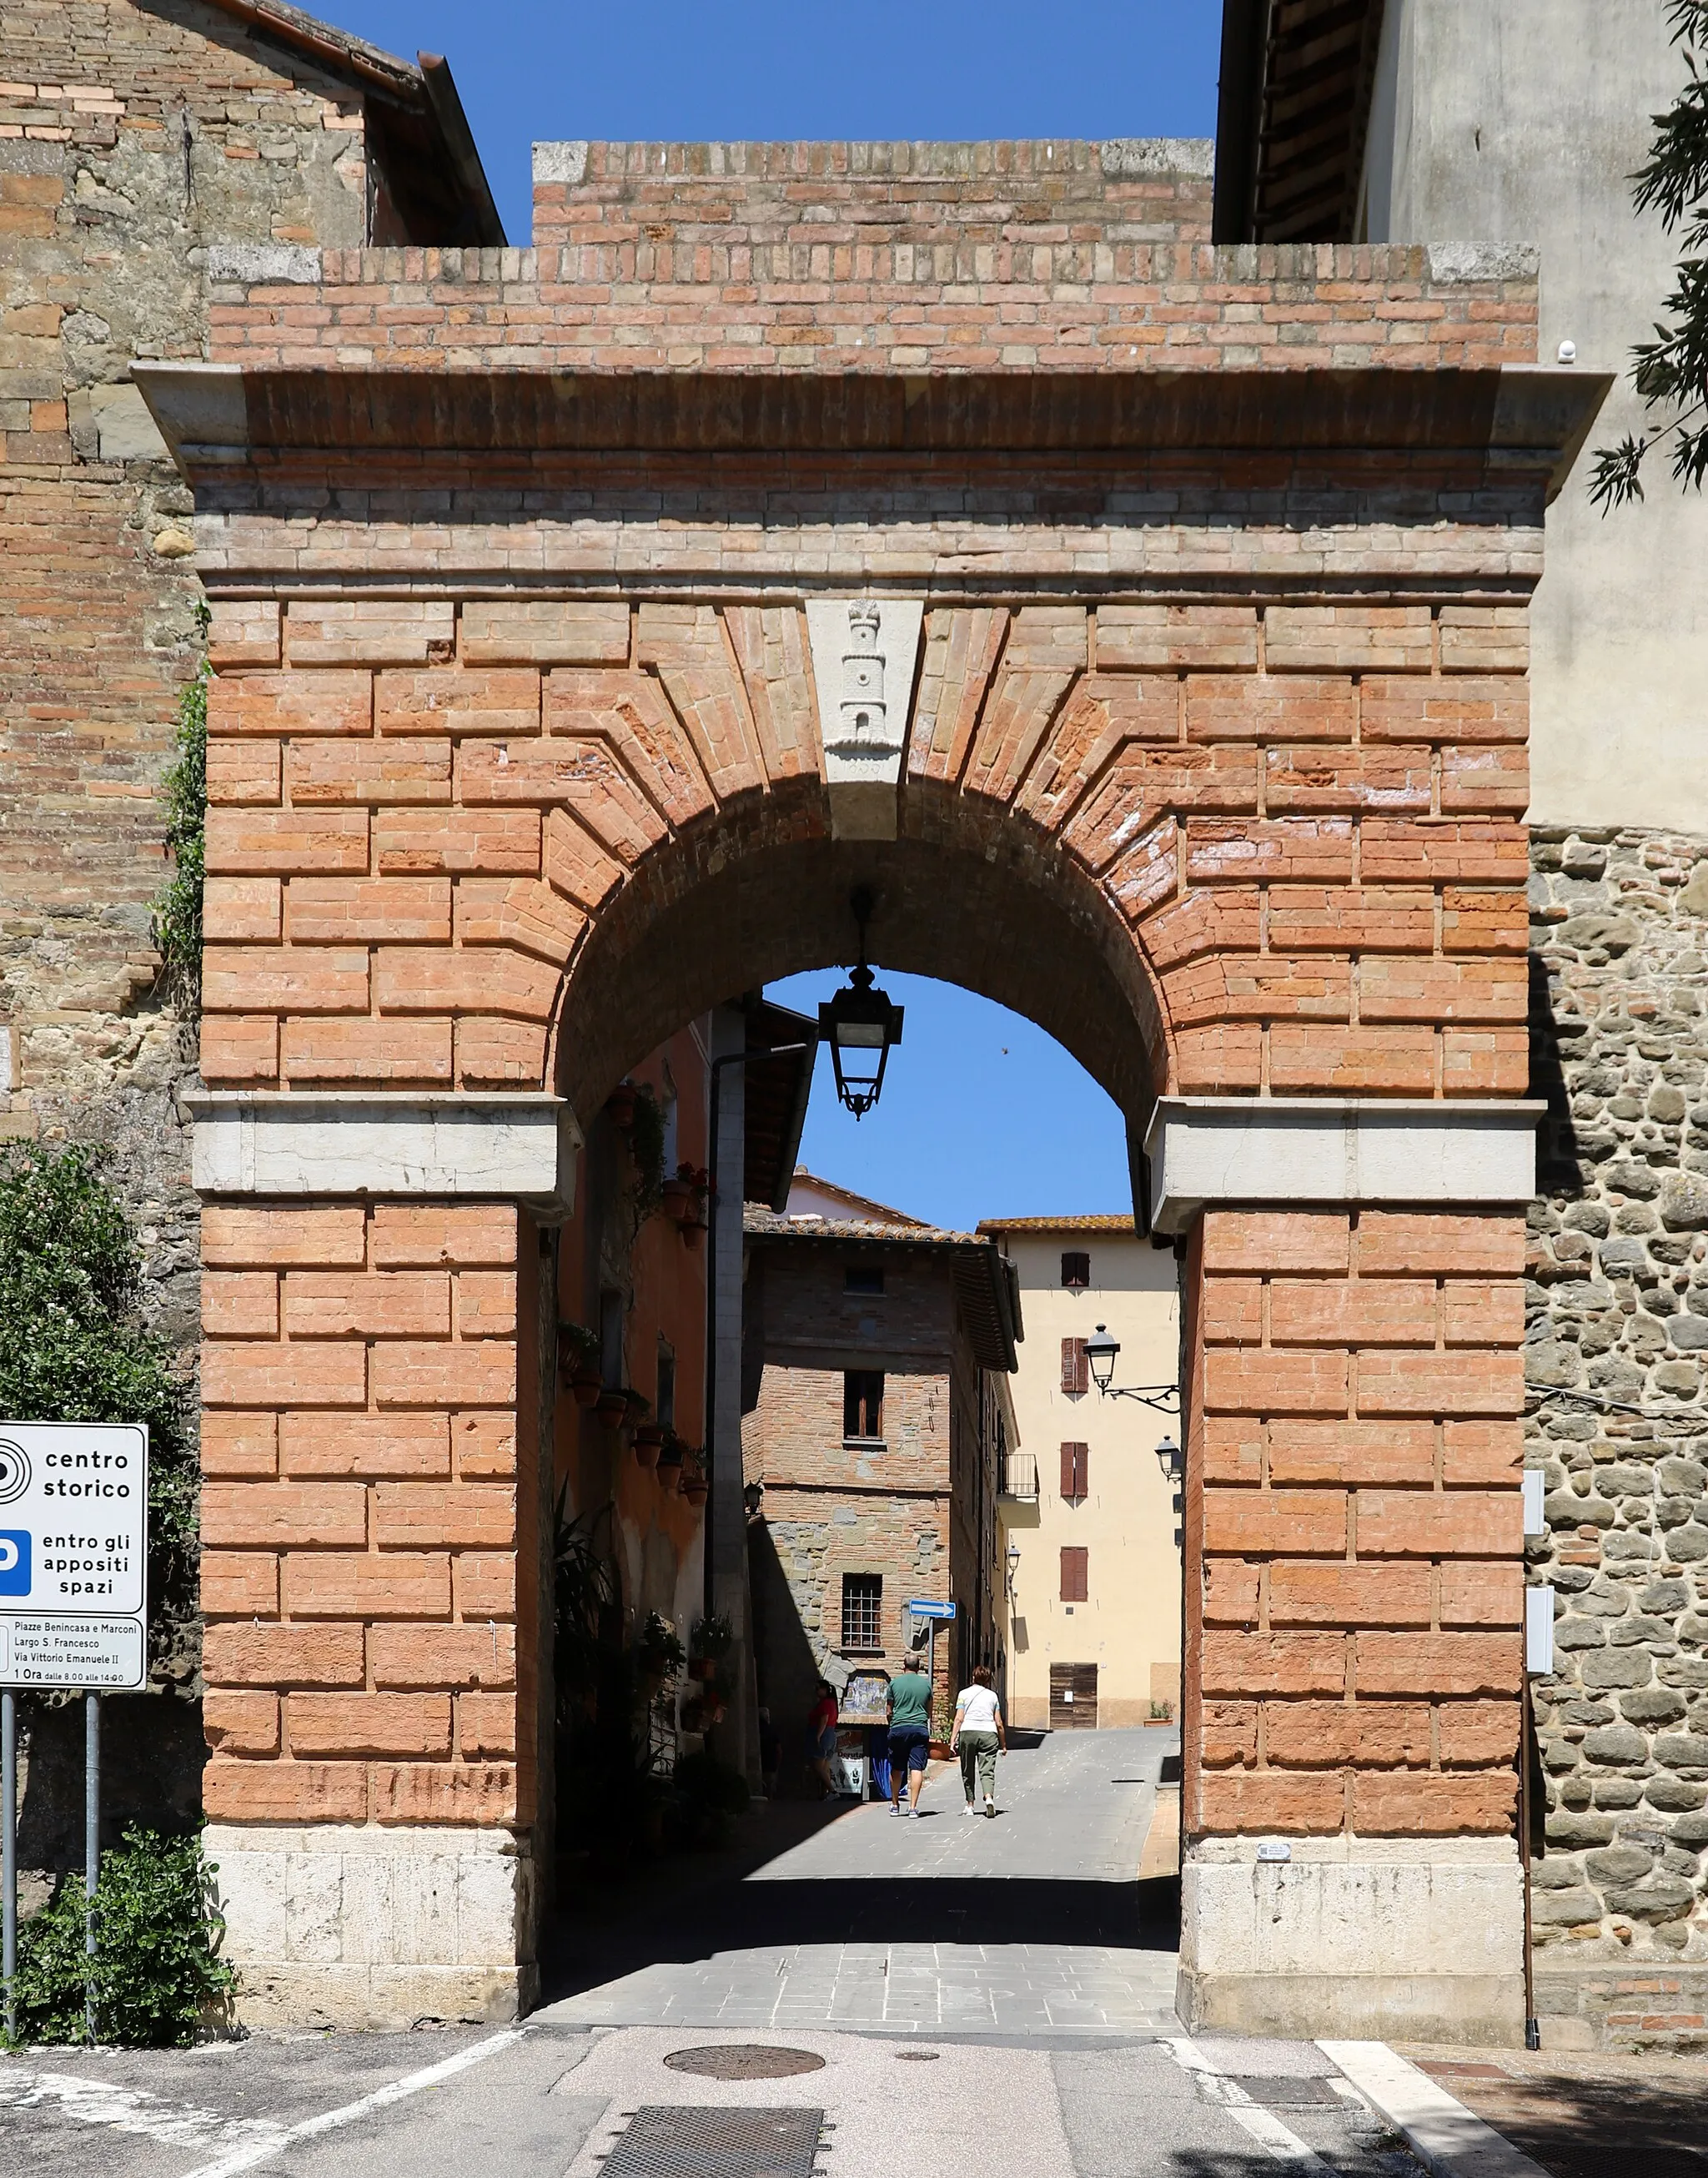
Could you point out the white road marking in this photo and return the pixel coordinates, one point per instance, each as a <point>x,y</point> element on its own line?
<point>130,2109</point>
<point>1273,2137</point>
<point>413,2083</point>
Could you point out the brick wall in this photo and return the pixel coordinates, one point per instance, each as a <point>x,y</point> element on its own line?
<point>1353,1573</point>
<point>1065,305</point>
<point>371,1648</point>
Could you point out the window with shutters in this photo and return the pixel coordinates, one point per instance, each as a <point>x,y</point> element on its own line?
<point>1075,1460</point>
<point>1075,1578</point>
<point>863,1402</point>
<point>1076,1268</point>
<point>1076,1369</point>
<point>863,1612</point>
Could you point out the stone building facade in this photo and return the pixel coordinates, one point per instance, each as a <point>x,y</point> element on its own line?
<point>136,142</point>
<point>876,1361</point>
<point>1520,127</point>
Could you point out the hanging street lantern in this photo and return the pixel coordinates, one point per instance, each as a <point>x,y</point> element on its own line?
<point>1100,1352</point>
<point>861,1026</point>
<point>1168,1459</point>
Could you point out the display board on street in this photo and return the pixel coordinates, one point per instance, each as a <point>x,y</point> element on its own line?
<point>73,1554</point>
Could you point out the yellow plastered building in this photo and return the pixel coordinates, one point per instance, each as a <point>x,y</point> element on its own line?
<point>1089,1518</point>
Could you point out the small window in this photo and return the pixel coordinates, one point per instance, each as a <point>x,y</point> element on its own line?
<point>1075,1463</point>
<point>1076,1369</point>
<point>1076,1268</point>
<point>664,1405</point>
<point>863,1402</point>
<point>859,1278</point>
<point>611,1312</point>
<point>862,1613</point>
<point>1076,1586</point>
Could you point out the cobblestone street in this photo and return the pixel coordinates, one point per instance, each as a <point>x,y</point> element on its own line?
<point>1029,1923</point>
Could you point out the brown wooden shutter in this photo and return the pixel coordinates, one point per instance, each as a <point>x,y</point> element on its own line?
<point>1075,1464</point>
<point>1076,1369</point>
<point>1075,1575</point>
<point>1076,1267</point>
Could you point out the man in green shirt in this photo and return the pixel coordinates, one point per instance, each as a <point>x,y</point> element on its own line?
<point>909,1705</point>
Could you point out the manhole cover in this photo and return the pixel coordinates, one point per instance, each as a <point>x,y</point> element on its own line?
<point>1279,2094</point>
<point>662,2141</point>
<point>918,2056</point>
<point>744,2061</point>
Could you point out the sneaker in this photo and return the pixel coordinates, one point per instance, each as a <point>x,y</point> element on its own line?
<point>990,1809</point>
<point>897,1808</point>
<point>971,1809</point>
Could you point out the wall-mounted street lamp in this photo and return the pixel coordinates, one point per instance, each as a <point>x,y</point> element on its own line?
<point>1100,1350</point>
<point>1168,1458</point>
<point>861,1026</point>
<point>1014,1565</point>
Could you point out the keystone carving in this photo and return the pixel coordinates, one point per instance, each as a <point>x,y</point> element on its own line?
<point>864,653</point>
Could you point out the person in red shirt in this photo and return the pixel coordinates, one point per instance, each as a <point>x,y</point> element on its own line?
<point>821,1733</point>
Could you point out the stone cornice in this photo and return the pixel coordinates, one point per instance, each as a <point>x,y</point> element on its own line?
<point>215,416</point>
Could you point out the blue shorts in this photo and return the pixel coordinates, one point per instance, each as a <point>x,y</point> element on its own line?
<point>826,1743</point>
<point>909,1750</point>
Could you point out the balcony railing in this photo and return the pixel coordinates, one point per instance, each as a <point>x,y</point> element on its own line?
<point>1020,1475</point>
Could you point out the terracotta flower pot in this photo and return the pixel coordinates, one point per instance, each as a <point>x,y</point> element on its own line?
<point>701,1667</point>
<point>649,1440</point>
<point>588,1385</point>
<point>669,1465</point>
<point>676,1197</point>
<point>620,1104</point>
<point>611,1407</point>
<point>694,1489</point>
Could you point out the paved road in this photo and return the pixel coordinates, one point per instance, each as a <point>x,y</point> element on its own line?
<point>1029,1923</point>
<point>969,1995</point>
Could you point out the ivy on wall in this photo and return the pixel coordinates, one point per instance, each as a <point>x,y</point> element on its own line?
<point>73,1345</point>
<point>177,910</point>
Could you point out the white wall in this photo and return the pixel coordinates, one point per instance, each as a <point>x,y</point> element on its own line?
<point>1520,121</point>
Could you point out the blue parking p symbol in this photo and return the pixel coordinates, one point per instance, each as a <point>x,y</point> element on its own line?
<point>14,1561</point>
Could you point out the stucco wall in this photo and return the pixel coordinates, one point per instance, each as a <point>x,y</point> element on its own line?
<point>1522,124</point>
<point>1130,1627</point>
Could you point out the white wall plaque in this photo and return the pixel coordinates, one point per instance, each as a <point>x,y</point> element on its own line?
<point>865,651</point>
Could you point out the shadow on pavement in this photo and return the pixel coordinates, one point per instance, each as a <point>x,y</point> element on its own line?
<point>593,1942</point>
<point>1580,2127</point>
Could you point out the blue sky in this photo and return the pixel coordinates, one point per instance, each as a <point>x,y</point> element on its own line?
<point>982,1113</point>
<point>530,71</point>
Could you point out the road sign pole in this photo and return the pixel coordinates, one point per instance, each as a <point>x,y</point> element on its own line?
<point>8,1851</point>
<point>91,1849</point>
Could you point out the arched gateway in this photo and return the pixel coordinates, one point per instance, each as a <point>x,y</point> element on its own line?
<point>546,591</point>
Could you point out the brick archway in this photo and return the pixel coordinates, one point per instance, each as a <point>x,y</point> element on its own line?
<point>1211,760</point>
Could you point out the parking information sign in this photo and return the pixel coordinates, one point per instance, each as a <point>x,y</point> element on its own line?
<point>74,1551</point>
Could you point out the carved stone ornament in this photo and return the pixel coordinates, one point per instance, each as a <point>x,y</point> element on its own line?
<point>864,653</point>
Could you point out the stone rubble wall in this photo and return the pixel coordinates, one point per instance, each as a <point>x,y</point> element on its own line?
<point>1617,1310</point>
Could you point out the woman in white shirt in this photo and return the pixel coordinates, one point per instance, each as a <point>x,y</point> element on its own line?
<point>979,1732</point>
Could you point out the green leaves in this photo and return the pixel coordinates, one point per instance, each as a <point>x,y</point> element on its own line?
<point>1670,371</point>
<point>74,1346</point>
<point>178,928</point>
<point>157,1968</point>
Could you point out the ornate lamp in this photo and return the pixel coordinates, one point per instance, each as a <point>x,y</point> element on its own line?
<point>861,1026</point>
<point>1168,1457</point>
<point>1100,1350</point>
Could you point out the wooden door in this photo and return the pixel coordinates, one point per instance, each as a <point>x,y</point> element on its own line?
<point>1073,1697</point>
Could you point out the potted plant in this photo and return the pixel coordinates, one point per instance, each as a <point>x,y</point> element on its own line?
<point>620,1104</point>
<point>612,1405</point>
<point>649,1441</point>
<point>712,1637</point>
<point>578,1362</point>
<point>659,1654</point>
<point>669,1460</point>
<point>684,1199</point>
<point>694,1486</point>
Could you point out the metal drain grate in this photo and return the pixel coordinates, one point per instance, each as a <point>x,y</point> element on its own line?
<point>744,2060</point>
<point>684,2140</point>
<point>1270,2092</point>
